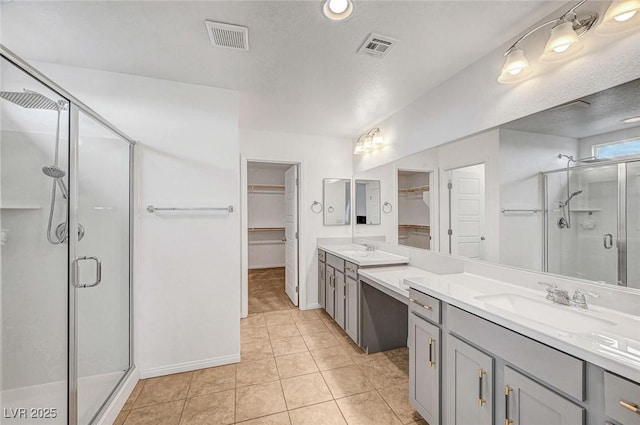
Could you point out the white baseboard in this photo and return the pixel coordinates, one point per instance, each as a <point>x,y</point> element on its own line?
<point>189,366</point>
<point>112,411</point>
<point>311,306</point>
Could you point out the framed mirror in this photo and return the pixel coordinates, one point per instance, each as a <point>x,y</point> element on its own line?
<point>336,199</point>
<point>557,192</point>
<point>367,201</point>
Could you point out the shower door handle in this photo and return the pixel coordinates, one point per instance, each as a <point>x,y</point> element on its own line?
<point>76,271</point>
<point>607,240</point>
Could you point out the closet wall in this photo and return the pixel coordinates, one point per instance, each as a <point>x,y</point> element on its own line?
<point>266,211</point>
<point>414,200</point>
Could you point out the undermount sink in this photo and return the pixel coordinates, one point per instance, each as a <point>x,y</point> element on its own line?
<point>356,252</point>
<point>561,317</point>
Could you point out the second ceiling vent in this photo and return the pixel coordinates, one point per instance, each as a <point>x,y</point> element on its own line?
<point>227,35</point>
<point>377,45</point>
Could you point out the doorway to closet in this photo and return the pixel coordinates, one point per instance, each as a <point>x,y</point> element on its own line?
<point>273,234</point>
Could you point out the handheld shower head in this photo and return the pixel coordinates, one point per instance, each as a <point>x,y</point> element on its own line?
<point>57,174</point>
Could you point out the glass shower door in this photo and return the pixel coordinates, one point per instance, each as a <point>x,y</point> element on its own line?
<point>101,251</point>
<point>582,222</point>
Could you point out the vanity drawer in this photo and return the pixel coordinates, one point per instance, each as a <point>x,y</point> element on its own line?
<point>351,270</point>
<point>322,255</point>
<point>424,305</point>
<point>621,397</point>
<point>335,262</point>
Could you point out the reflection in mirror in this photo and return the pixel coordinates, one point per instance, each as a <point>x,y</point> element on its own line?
<point>466,205</point>
<point>561,191</point>
<point>337,202</point>
<point>367,201</point>
<point>414,209</point>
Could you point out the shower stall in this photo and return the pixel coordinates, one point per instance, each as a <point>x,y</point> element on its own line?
<point>591,223</point>
<point>65,253</point>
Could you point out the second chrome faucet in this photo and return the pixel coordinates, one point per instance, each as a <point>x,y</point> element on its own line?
<point>561,296</point>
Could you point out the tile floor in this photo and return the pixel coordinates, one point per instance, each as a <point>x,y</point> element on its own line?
<point>297,368</point>
<point>266,291</point>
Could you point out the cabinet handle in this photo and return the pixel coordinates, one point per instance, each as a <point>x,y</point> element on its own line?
<point>413,300</point>
<point>481,401</point>
<point>507,391</point>
<point>630,406</point>
<point>431,361</point>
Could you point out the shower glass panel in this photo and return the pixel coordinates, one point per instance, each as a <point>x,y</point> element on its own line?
<point>102,311</point>
<point>582,223</point>
<point>633,224</point>
<point>34,181</point>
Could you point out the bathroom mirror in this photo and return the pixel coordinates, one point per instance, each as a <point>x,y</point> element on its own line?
<point>367,201</point>
<point>337,202</point>
<point>557,191</point>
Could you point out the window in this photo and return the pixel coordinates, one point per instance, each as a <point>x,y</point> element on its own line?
<point>616,149</point>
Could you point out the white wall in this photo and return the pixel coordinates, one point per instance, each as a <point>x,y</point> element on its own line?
<point>472,101</point>
<point>523,155</point>
<point>319,158</point>
<point>187,266</point>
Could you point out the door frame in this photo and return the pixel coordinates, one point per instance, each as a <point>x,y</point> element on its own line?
<point>434,210</point>
<point>244,230</point>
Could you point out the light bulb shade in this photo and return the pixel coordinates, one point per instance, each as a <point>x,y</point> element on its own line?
<point>359,149</point>
<point>622,15</point>
<point>337,10</point>
<point>563,42</point>
<point>516,67</point>
<point>377,138</point>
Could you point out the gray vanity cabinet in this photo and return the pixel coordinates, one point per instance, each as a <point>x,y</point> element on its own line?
<point>527,402</point>
<point>351,308</point>
<point>340,296</point>
<point>469,386</point>
<point>322,278</point>
<point>330,289</point>
<point>424,360</point>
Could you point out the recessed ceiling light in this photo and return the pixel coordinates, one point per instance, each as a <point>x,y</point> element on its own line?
<point>631,120</point>
<point>337,10</point>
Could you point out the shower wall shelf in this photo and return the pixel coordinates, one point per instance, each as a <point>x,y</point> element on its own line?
<point>21,207</point>
<point>581,210</point>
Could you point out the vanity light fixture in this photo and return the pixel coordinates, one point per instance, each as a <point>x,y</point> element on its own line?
<point>337,10</point>
<point>631,120</point>
<point>369,141</point>
<point>563,42</point>
<point>621,15</point>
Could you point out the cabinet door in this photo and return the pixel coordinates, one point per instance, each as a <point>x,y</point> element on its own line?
<point>330,291</point>
<point>341,295</point>
<point>469,385</point>
<point>351,313</point>
<point>322,280</point>
<point>529,403</point>
<point>424,368</point>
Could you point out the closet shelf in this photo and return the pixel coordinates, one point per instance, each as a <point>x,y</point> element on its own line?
<point>266,229</point>
<point>416,189</point>
<point>265,188</point>
<point>414,227</point>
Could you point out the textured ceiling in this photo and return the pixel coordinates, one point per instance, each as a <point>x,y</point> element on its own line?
<point>302,73</point>
<point>602,113</point>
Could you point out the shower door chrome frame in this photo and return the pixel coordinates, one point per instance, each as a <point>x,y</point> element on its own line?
<point>75,107</point>
<point>621,241</point>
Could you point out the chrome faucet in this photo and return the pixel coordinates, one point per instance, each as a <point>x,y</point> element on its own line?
<point>370,247</point>
<point>561,296</point>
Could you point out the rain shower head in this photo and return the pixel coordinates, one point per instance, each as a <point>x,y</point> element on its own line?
<point>33,100</point>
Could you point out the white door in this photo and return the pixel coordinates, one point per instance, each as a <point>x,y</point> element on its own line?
<point>291,233</point>
<point>467,211</point>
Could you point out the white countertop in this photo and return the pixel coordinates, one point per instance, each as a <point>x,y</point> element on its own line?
<point>393,277</point>
<point>357,254</point>
<point>601,336</point>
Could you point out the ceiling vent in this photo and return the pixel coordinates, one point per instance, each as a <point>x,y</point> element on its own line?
<point>229,36</point>
<point>377,45</point>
